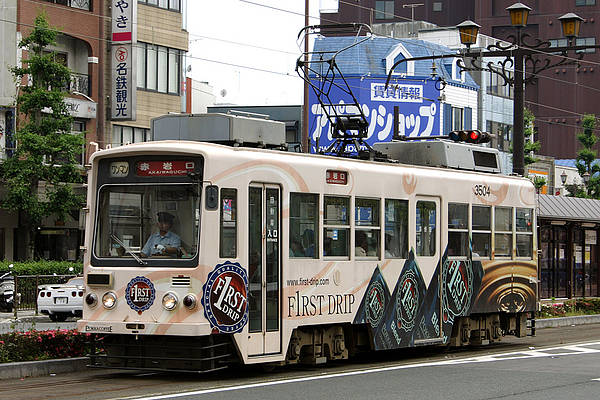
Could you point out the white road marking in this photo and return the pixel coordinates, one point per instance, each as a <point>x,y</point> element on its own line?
<point>547,352</point>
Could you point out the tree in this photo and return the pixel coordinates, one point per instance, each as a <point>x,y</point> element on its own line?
<point>38,178</point>
<point>586,160</point>
<point>530,147</point>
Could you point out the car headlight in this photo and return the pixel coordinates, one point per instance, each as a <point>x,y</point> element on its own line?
<point>190,301</point>
<point>169,301</point>
<point>109,300</point>
<point>91,299</point>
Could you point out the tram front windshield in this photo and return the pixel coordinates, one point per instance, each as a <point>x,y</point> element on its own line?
<point>145,222</point>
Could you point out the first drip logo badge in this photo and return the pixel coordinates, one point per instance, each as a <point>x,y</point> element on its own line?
<point>225,297</point>
<point>140,293</point>
<point>457,288</point>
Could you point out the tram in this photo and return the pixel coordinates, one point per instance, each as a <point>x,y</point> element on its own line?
<point>201,255</point>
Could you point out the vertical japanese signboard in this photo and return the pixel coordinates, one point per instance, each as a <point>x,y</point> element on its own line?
<point>123,54</point>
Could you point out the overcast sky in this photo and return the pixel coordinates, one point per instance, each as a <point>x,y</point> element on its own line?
<point>235,36</point>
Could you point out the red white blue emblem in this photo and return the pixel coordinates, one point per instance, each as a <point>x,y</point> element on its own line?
<point>225,297</point>
<point>140,293</point>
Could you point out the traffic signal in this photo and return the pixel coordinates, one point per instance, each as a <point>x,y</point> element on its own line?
<point>470,136</point>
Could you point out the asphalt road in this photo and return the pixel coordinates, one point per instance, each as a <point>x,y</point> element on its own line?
<point>559,363</point>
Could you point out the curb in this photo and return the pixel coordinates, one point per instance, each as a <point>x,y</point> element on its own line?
<point>567,321</point>
<point>29,369</point>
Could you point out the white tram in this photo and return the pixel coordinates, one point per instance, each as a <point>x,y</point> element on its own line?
<point>278,257</point>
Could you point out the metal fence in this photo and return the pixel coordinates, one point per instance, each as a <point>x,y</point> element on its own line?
<point>26,289</point>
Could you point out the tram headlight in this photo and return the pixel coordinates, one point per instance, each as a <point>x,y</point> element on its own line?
<point>109,300</point>
<point>169,301</point>
<point>190,301</point>
<point>91,299</point>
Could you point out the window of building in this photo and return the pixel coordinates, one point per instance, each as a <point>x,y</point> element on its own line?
<point>396,228</point>
<point>458,230</point>
<point>524,225</point>
<point>367,229</point>
<point>437,6</point>
<point>173,5</point>
<point>304,225</point>
<point>496,85</point>
<point>384,10</point>
<point>585,2</point>
<point>503,232</point>
<point>457,118</point>
<point>336,229</point>
<point>588,41</point>
<point>481,230</point>
<point>502,134</point>
<point>128,134</point>
<point>228,237</point>
<point>80,4</point>
<point>158,68</point>
<point>426,228</point>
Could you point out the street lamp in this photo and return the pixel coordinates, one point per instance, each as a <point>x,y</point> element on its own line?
<point>519,13</point>
<point>563,177</point>
<point>468,31</point>
<point>520,63</point>
<point>571,23</point>
<point>586,180</point>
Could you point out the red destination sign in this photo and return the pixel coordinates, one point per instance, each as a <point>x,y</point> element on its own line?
<point>337,177</point>
<point>164,168</point>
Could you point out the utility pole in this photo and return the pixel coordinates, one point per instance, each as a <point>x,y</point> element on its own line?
<point>305,143</point>
<point>412,14</point>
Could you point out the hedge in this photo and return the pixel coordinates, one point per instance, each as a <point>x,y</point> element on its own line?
<point>570,307</point>
<point>44,345</point>
<point>42,267</point>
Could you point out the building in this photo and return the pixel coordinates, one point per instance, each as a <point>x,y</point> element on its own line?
<point>562,94</point>
<point>154,44</point>
<point>415,104</point>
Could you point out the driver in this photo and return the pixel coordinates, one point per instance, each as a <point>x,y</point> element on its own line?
<point>164,242</point>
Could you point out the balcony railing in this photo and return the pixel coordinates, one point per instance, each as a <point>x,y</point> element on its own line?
<point>80,4</point>
<point>80,83</point>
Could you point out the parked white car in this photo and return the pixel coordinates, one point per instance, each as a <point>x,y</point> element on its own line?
<point>61,301</point>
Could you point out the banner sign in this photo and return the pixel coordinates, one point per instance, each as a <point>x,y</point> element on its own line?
<point>123,60</point>
<point>419,110</point>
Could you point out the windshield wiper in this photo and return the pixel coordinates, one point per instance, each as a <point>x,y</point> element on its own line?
<point>127,249</point>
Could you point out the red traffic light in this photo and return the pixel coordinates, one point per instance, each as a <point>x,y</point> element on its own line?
<point>470,136</point>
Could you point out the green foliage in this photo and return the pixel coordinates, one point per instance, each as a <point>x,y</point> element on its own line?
<point>42,267</point>
<point>43,345</point>
<point>538,182</point>
<point>585,159</point>
<point>46,151</point>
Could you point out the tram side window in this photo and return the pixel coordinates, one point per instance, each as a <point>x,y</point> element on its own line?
<point>396,228</point>
<point>304,225</point>
<point>524,224</point>
<point>228,238</point>
<point>503,231</point>
<point>426,228</point>
<point>481,229</point>
<point>367,230</point>
<point>336,229</point>
<point>458,230</point>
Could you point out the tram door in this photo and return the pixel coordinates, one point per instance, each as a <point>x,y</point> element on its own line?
<point>264,269</point>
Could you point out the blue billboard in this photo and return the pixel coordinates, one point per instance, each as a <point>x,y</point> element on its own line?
<point>417,101</point>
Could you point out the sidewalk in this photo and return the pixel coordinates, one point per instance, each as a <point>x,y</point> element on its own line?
<point>27,320</point>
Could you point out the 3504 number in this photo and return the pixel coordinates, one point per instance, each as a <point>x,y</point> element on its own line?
<point>481,190</point>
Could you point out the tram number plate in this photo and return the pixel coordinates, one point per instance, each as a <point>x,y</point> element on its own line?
<point>119,169</point>
<point>481,190</point>
<point>61,300</point>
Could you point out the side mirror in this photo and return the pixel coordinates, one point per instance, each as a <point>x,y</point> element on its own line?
<point>212,197</point>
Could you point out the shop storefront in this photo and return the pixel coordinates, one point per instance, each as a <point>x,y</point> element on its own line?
<point>568,244</point>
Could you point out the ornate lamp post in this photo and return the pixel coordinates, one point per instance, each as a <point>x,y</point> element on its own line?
<point>523,58</point>
<point>524,54</point>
